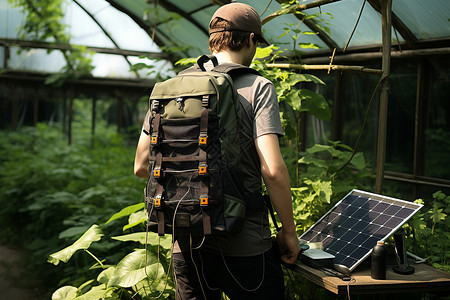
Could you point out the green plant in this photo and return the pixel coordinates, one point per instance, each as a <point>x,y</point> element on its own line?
<point>323,181</point>
<point>53,192</point>
<point>140,274</point>
<point>428,231</point>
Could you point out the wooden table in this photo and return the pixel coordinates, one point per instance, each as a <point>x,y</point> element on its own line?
<point>425,278</point>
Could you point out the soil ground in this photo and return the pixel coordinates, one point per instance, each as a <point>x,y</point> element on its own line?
<point>12,284</point>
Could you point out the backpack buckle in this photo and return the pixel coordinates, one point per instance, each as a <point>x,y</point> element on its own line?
<point>157,173</point>
<point>202,169</point>
<point>157,201</point>
<point>155,105</point>
<point>154,139</point>
<point>203,139</point>
<point>205,100</point>
<point>204,201</point>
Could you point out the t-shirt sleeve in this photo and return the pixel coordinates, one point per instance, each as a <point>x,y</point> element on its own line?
<point>266,111</point>
<point>146,124</point>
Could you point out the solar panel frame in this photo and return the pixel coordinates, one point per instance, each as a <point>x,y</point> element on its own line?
<point>352,227</point>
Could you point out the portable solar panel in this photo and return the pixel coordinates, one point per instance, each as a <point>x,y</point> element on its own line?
<point>353,226</point>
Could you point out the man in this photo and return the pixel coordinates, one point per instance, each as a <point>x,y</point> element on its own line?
<point>244,265</point>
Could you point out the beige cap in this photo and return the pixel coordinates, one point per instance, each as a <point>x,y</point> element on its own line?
<point>240,17</point>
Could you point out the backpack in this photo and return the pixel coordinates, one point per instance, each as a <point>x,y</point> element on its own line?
<point>195,180</point>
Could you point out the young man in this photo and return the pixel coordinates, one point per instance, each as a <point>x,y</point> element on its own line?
<point>244,265</point>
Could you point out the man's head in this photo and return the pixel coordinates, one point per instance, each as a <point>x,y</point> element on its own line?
<point>231,27</point>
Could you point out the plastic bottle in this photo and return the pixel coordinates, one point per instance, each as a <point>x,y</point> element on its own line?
<point>379,257</point>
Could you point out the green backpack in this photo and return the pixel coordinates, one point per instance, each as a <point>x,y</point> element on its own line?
<point>195,180</point>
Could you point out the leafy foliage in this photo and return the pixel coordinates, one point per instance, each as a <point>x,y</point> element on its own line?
<point>54,192</point>
<point>429,231</point>
<point>323,182</point>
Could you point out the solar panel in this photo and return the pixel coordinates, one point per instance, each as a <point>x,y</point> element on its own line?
<point>353,226</point>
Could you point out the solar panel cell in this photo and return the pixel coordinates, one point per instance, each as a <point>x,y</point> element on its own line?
<point>393,222</point>
<point>403,213</point>
<point>392,210</point>
<point>380,207</point>
<point>381,219</point>
<point>360,238</point>
<point>359,252</point>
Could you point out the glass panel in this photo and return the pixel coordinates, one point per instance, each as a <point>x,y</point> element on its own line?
<point>161,67</point>
<point>188,6</point>
<point>401,116</point>
<point>204,16</point>
<point>319,131</point>
<point>185,34</point>
<point>10,19</point>
<point>343,19</point>
<point>357,90</point>
<point>125,32</point>
<point>426,19</point>
<point>35,60</point>
<point>138,7</point>
<point>82,29</point>
<point>108,65</point>
<point>2,56</point>
<point>273,29</point>
<point>437,134</point>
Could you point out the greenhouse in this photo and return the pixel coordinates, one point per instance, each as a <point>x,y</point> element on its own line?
<point>361,85</point>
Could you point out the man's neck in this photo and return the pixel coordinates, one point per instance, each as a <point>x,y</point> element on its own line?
<point>229,57</point>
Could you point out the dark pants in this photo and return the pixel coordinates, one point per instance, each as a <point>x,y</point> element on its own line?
<point>238,277</point>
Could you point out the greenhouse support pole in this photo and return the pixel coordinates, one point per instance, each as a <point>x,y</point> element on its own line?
<point>386,10</point>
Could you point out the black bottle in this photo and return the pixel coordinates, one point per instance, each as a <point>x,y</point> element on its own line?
<point>379,257</point>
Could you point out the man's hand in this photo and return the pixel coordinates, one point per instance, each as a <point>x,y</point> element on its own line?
<point>289,246</point>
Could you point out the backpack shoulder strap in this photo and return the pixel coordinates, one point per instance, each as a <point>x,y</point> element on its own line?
<point>234,69</point>
<point>228,68</point>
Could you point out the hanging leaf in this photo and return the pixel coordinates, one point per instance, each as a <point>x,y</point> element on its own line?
<point>105,275</point>
<point>152,239</point>
<point>93,234</point>
<point>316,105</point>
<point>126,211</point>
<point>132,269</point>
<point>65,293</point>
<point>264,52</point>
<point>309,46</point>
<point>97,292</point>
<point>135,219</point>
<point>296,78</point>
<point>358,161</point>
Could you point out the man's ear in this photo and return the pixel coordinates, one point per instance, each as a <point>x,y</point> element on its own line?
<point>251,37</point>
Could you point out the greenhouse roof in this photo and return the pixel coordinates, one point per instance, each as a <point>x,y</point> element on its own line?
<point>121,31</point>
<point>175,23</point>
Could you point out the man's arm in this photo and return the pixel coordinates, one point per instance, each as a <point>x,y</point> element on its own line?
<point>141,159</point>
<point>276,178</point>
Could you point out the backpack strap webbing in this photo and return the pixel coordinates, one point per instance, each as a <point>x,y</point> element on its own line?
<point>157,203</point>
<point>234,69</point>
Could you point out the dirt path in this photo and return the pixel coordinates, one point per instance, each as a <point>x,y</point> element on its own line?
<point>10,272</point>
